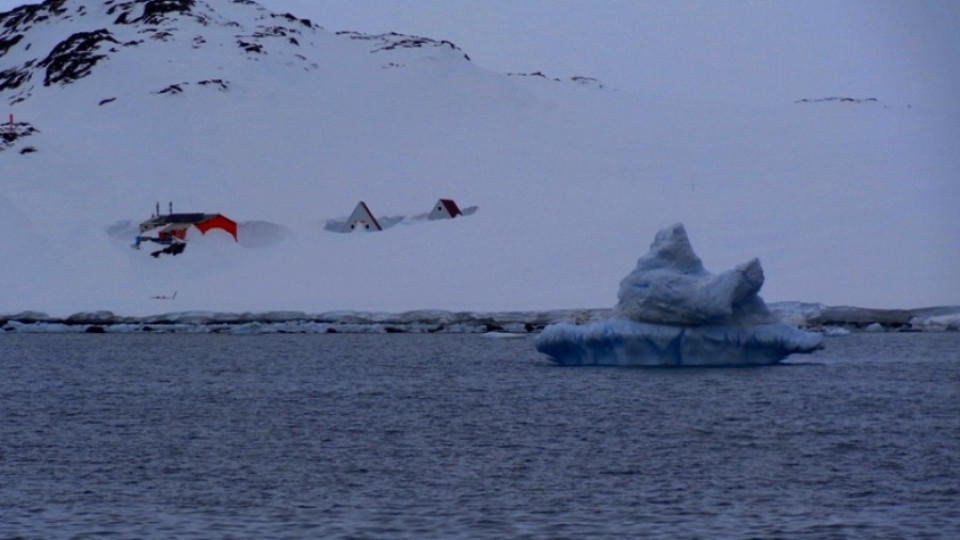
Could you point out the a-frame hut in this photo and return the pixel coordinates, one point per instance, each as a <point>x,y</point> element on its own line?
<point>361,220</point>
<point>445,209</point>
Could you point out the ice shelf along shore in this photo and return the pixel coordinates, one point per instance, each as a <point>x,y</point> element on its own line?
<point>672,312</point>
<point>828,320</point>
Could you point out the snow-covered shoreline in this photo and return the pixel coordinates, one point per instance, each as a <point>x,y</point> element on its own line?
<point>830,320</point>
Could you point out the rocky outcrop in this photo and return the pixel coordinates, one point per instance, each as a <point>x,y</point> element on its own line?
<point>391,41</point>
<point>153,11</point>
<point>837,99</point>
<point>75,57</point>
<point>10,134</point>
<point>101,32</point>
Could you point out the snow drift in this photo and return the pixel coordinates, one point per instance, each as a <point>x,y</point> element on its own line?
<point>283,125</point>
<point>672,312</point>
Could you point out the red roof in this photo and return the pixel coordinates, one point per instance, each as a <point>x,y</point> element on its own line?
<point>451,207</point>
<point>218,221</point>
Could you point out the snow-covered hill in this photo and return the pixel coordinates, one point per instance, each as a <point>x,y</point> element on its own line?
<point>284,126</point>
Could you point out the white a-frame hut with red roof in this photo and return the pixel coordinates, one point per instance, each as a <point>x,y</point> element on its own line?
<point>361,220</point>
<point>444,209</point>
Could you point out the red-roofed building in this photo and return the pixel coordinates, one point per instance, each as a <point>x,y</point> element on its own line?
<point>445,209</point>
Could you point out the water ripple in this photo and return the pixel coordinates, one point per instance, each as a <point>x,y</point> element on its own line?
<point>410,436</point>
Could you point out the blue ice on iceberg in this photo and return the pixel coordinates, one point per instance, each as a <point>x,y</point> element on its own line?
<point>672,312</point>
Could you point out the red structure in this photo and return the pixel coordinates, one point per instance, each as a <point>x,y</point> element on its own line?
<point>445,209</point>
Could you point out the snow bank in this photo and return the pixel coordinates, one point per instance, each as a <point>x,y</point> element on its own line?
<point>944,322</point>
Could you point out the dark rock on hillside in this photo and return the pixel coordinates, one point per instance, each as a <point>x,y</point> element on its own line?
<point>20,19</point>
<point>579,79</point>
<point>178,88</point>
<point>6,43</point>
<point>530,74</point>
<point>172,89</point>
<point>154,11</point>
<point>13,78</point>
<point>123,24</point>
<point>75,57</point>
<point>838,100</point>
<point>392,40</point>
<point>292,18</point>
<point>13,25</point>
<point>220,84</point>
<point>11,134</point>
<point>250,47</point>
<point>586,81</point>
<point>118,26</point>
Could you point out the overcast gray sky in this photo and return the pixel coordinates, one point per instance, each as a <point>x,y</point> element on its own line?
<point>899,51</point>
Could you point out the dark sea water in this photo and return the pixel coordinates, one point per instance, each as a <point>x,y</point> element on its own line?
<point>463,436</point>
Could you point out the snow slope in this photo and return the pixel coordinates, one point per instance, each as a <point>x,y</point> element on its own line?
<point>283,126</point>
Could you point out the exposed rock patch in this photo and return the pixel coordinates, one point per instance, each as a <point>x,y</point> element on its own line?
<point>179,88</point>
<point>289,17</point>
<point>13,78</point>
<point>9,135</point>
<point>220,84</point>
<point>172,89</point>
<point>250,47</point>
<point>75,57</point>
<point>154,11</point>
<point>838,100</point>
<point>122,24</point>
<point>7,43</point>
<point>20,19</point>
<point>579,79</point>
<point>392,41</point>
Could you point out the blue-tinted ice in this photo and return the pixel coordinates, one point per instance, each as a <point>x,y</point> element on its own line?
<point>672,312</point>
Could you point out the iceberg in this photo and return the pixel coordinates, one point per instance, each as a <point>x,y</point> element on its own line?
<point>673,312</point>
